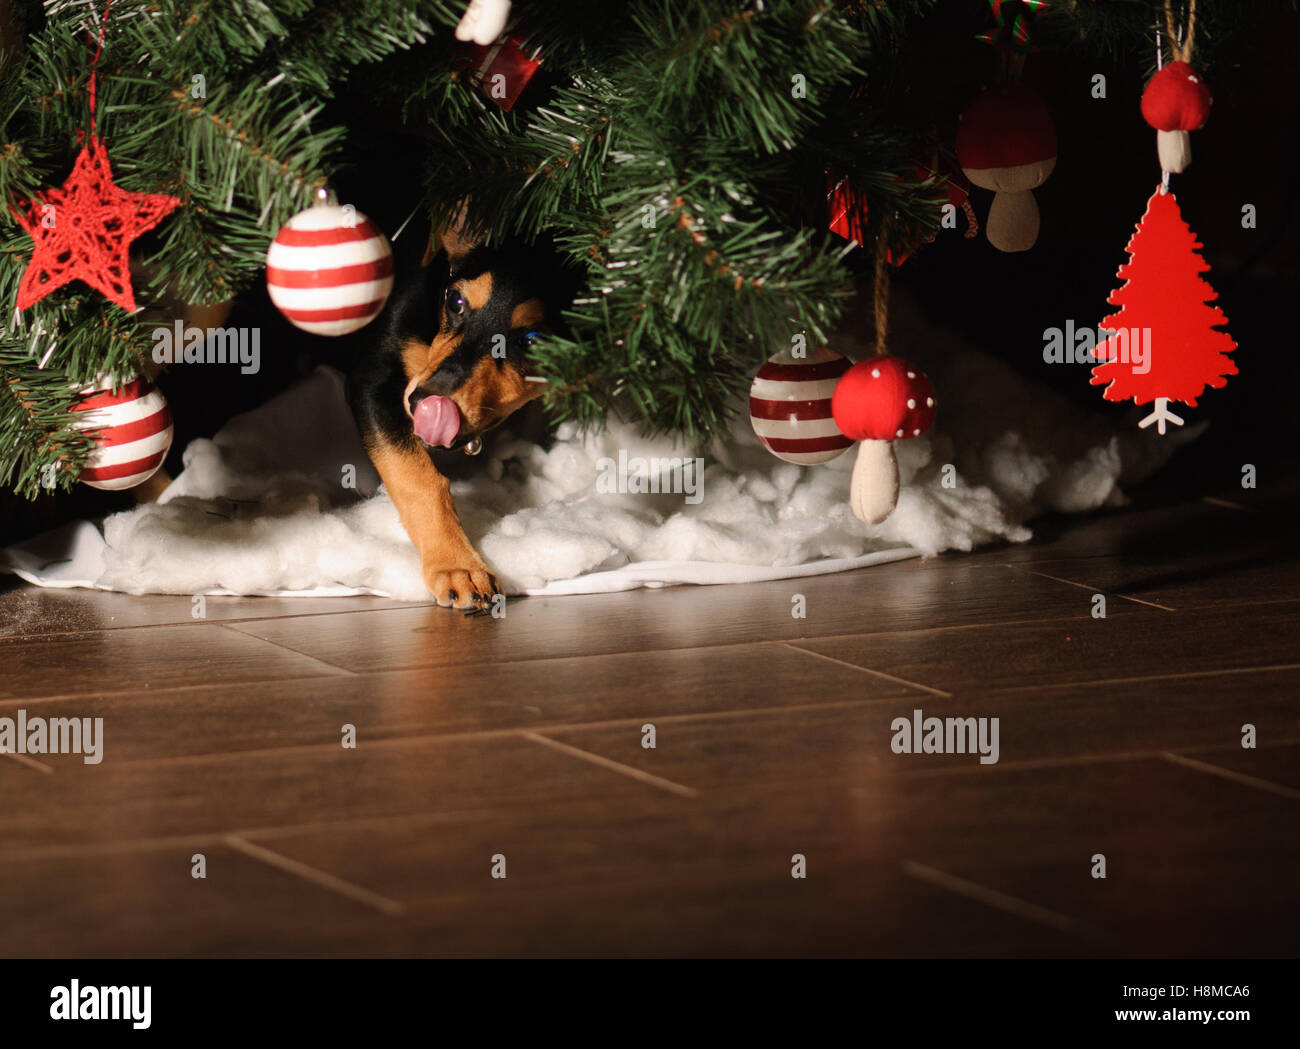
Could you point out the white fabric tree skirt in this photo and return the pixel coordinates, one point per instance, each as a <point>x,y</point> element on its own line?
<point>262,508</point>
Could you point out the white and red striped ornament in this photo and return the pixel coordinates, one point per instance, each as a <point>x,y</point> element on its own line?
<point>329,270</point>
<point>133,430</point>
<point>790,406</point>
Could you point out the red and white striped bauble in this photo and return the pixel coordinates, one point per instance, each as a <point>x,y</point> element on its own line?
<point>329,270</point>
<point>134,431</point>
<point>790,406</point>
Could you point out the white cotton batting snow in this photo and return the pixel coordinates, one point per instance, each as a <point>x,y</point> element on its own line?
<point>263,507</point>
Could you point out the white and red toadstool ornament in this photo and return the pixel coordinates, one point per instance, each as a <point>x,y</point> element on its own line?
<point>878,401</point>
<point>1007,143</point>
<point>1176,101</point>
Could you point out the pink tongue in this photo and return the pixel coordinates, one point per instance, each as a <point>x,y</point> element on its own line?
<point>437,421</point>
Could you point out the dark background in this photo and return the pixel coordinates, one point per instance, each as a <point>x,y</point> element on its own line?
<point>1106,169</point>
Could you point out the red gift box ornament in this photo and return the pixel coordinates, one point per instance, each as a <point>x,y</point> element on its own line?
<point>501,70</point>
<point>848,209</point>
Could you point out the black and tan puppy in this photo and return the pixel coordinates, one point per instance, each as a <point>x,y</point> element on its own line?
<point>447,362</point>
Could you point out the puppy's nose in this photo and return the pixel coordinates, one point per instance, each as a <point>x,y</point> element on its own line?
<point>449,377</point>
<point>427,389</point>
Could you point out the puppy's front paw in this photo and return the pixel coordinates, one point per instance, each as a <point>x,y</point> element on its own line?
<point>472,587</point>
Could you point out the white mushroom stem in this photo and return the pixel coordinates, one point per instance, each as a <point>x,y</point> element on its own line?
<point>1175,150</point>
<point>873,491</point>
<point>1013,215</point>
<point>1013,221</point>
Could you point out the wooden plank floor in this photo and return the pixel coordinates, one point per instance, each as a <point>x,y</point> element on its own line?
<point>522,738</point>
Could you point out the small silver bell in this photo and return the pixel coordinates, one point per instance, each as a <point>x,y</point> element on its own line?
<point>473,446</point>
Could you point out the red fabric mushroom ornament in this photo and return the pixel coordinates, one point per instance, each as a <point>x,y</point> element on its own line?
<point>1176,101</point>
<point>880,400</point>
<point>1007,143</point>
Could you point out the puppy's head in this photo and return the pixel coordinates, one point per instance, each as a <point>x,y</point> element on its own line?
<point>472,373</point>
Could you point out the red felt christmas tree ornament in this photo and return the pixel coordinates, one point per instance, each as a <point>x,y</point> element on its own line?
<point>1164,343</point>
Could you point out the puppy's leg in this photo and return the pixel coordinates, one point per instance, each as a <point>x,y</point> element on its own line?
<point>453,571</point>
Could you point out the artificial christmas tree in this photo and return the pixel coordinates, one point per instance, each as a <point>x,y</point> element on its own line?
<point>674,151</point>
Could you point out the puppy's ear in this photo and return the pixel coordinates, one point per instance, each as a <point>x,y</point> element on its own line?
<point>455,236</point>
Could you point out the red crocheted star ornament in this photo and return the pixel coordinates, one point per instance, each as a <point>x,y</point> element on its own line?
<point>83,231</point>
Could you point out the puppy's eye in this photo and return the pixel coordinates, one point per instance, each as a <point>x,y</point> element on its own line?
<point>531,337</point>
<point>455,303</point>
